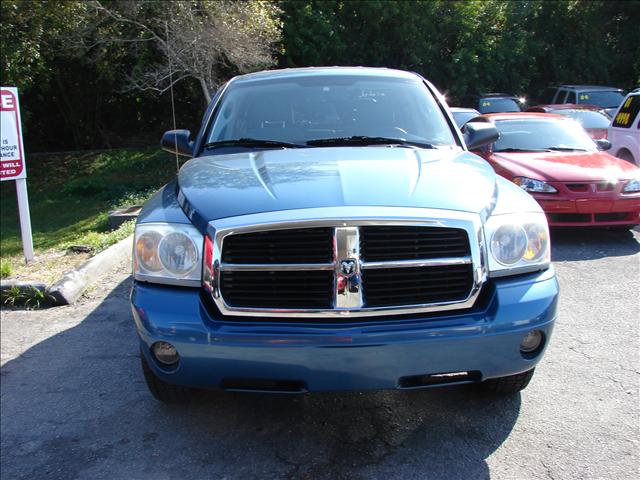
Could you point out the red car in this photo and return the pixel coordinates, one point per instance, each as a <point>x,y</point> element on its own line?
<point>553,158</point>
<point>593,118</point>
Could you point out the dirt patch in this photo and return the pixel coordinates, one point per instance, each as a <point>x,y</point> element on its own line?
<point>48,266</point>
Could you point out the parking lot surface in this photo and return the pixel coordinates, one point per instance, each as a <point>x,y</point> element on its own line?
<point>74,404</point>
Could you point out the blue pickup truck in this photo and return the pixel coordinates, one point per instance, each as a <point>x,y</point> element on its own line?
<point>332,232</point>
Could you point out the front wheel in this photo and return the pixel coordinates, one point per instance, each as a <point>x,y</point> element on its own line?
<point>507,385</point>
<point>163,391</point>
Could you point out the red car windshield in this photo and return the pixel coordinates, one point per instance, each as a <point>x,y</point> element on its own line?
<point>542,134</point>
<point>586,118</point>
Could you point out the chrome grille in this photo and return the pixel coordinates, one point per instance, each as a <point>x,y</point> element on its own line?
<point>412,243</point>
<point>278,289</point>
<point>416,286</point>
<point>303,245</point>
<point>326,267</point>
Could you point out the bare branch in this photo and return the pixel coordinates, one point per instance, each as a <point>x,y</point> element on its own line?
<point>206,39</point>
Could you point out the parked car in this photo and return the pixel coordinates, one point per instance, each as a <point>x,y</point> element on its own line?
<point>554,159</point>
<point>333,232</point>
<point>493,102</point>
<point>593,119</point>
<point>608,98</point>
<point>463,115</point>
<point>624,132</point>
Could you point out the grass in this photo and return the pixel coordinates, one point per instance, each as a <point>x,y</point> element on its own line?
<point>30,298</point>
<point>5,269</point>
<point>70,196</point>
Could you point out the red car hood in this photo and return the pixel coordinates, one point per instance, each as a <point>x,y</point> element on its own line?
<point>566,166</point>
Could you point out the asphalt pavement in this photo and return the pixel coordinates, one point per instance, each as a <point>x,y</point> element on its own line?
<point>74,404</point>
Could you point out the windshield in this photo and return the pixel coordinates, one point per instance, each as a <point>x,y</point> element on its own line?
<point>302,109</point>
<point>541,134</point>
<point>498,105</point>
<point>601,98</point>
<point>586,118</point>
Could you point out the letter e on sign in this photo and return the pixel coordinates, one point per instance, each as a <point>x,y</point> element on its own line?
<point>12,165</point>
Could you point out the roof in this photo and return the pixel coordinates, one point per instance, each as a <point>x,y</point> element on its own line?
<point>498,94</point>
<point>590,87</point>
<point>313,71</point>
<point>491,95</point>
<point>522,115</point>
<point>463,110</point>
<point>566,106</point>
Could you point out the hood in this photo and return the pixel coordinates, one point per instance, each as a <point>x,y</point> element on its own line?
<point>566,166</point>
<point>213,187</point>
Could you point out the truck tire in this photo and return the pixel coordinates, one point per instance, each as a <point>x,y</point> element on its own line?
<point>163,391</point>
<point>507,385</point>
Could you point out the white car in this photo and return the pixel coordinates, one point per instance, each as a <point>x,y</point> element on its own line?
<point>624,130</point>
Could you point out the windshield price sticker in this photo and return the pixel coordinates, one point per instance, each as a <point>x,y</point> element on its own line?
<point>12,165</point>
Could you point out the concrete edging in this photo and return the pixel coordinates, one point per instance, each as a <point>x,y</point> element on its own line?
<point>69,288</point>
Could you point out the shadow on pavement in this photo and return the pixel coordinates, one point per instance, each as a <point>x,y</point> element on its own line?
<point>75,406</point>
<point>592,243</point>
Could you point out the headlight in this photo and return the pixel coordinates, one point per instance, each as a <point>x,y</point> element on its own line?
<point>508,244</point>
<point>168,253</point>
<point>633,186</point>
<point>534,186</point>
<point>517,243</point>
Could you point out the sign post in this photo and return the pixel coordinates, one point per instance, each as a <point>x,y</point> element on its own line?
<point>12,162</point>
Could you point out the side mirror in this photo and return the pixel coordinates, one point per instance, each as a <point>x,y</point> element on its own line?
<point>478,134</point>
<point>177,141</point>
<point>603,144</point>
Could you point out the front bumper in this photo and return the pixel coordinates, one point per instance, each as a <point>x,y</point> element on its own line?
<point>219,351</point>
<point>600,211</point>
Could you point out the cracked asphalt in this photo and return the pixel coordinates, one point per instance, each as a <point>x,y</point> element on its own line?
<point>74,404</point>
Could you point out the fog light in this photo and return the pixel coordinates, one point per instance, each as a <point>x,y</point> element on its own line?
<point>165,353</point>
<point>531,342</point>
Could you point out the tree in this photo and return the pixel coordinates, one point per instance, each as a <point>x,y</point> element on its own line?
<point>31,32</point>
<point>472,45</point>
<point>208,40</point>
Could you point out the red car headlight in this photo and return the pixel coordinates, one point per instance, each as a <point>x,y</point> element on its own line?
<point>534,186</point>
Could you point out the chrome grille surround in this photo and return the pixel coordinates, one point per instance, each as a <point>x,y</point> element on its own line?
<point>345,221</point>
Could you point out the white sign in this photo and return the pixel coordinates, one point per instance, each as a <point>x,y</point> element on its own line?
<point>12,165</point>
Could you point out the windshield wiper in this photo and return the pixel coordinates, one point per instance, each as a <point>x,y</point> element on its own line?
<point>252,142</point>
<point>364,140</point>
<point>511,149</point>
<point>567,149</point>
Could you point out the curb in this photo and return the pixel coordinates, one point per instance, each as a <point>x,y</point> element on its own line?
<point>69,288</point>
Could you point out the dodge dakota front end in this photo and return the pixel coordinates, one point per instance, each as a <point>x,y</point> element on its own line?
<point>332,232</point>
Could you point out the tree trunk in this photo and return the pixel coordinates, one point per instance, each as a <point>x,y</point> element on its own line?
<point>205,90</point>
<point>68,113</point>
